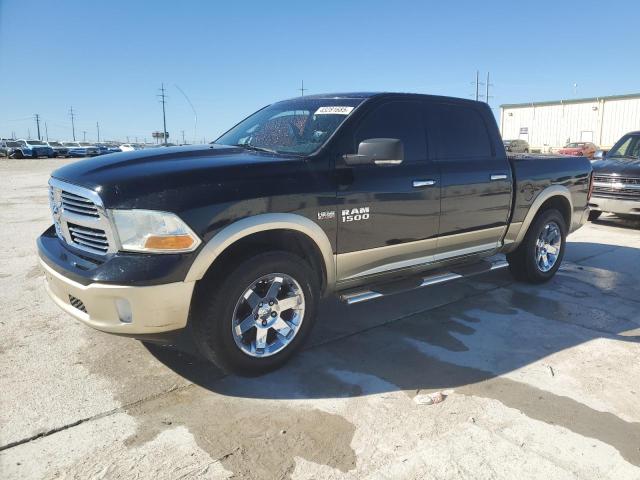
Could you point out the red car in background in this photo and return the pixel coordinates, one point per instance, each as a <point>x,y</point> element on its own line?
<point>582,149</point>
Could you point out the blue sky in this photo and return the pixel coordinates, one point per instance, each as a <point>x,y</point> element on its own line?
<point>108,58</point>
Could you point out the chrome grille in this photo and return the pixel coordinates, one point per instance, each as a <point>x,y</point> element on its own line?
<point>614,186</point>
<point>79,205</point>
<point>90,238</point>
<point>80,218</point>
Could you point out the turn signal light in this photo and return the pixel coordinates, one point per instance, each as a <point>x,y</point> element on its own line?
<point>169,242</point>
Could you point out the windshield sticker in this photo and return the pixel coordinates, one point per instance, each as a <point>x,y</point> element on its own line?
<point>336,110</point>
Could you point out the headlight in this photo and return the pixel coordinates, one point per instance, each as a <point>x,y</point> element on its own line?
<point>153,231</point>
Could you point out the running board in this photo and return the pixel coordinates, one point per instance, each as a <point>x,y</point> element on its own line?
<point>360,296</point>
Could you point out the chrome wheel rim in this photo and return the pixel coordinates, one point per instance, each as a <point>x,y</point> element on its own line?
<point>548,246</point>
<point>268,315</point>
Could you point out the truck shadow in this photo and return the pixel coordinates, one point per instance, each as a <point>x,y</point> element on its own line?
<point>615,221</point>
<point>444,337</point>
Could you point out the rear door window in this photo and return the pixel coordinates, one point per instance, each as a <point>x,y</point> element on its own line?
<point>457,132</point>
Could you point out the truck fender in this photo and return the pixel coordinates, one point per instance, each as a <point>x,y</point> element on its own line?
<point>260,223</point>
<point>517,230</point>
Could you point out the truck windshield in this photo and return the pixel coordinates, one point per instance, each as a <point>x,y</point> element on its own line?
<point>299,126</point>
<point>627,147</point>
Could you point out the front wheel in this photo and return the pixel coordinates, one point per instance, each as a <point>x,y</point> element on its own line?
<point>252,318</point>
<point>540,254</point>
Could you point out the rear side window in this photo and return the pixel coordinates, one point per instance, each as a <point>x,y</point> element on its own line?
<point>401,120</point>
<point>457,132</point>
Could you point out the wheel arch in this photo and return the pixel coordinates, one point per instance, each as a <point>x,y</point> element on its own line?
<point>262,225</point>
<point>553,196</point>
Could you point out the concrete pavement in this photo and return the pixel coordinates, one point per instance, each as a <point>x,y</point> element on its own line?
<point>540,381</point>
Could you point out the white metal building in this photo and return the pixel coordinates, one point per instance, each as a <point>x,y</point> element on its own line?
<point>548,125</point>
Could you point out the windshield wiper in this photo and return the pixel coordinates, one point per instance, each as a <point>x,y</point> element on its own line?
<point>254,148</point>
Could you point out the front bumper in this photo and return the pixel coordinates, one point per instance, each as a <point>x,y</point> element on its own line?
<point>615,205</point>
<point>122,309</point>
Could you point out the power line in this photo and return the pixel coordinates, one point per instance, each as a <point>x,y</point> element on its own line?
<point>73,126</point>
<point>195,115</point>
<point>164,116</point>
<point>37,117</point>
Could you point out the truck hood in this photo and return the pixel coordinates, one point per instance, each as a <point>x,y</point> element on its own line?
<point>169,175</point>
<point>625,167</point>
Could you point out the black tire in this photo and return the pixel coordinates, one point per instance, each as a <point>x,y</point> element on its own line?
<point>594,215</point>
<point>526,150</point>
<point>523,263</point>
<point>214,306</point>
<point>18,154</point>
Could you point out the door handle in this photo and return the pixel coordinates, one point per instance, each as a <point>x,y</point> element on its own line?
<point>423,183</point>
<point>500,176</point>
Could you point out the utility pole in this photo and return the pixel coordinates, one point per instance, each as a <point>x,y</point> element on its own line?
<point>46,131</point>
<point>38,125</point>
<point>84,135</point>
<point>73,126</point>
<point>487,96</point>
<point>477,84</point>
<point>98,127</point>
<point>183,136</point>
<point>28,134</point>
<point>302,89</point>
<point>164,116</point>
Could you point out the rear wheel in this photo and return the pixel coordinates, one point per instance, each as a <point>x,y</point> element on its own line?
<point>251,319</point>
<point>18,154</point>
<point>594,215</point>
<point>540,254</point>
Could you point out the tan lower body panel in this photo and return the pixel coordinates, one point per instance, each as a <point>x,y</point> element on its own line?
<point>122,309</point>
<point>394,257</point>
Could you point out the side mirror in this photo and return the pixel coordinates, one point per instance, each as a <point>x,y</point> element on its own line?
<point>599,155</point>
<point>377,151</point>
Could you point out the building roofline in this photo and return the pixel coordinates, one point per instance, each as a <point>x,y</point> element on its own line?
<point>570,100</point>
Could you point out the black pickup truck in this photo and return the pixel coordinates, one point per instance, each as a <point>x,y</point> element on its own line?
<point>349,193</point>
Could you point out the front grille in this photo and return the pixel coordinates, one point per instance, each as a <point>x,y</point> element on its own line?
<point>77,303</point>
<point>80,219</point>
<point>92,239</point>
<point>614,186</point>
<point>79,205</point>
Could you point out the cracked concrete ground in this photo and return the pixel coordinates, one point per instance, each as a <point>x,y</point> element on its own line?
<point>540,381</point>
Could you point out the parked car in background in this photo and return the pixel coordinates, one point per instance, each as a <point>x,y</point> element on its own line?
<point>616,186</point>
<point>103,148</point>
<point>516,146</point>
<point>82,149</point>
<point>59,150</point>
<point>580,149</point>
<point>32,149</point>
<point>129,147</point>
<point>7,147</point>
